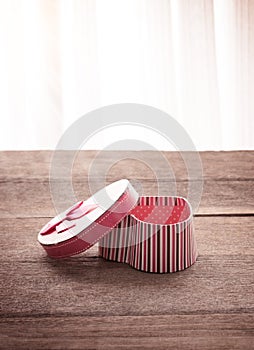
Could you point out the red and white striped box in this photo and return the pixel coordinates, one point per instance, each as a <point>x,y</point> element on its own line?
<point>152,234</point>
<point>157,236</point>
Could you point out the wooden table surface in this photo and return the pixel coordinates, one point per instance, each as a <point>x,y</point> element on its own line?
<point>86,302</point>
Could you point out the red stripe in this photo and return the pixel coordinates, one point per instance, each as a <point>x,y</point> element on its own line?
<point>145,246</point>
<point>173,248</point>
<point>182,245</point>
<point>164,248</point>
<point>154,251</point>
<point>121,255</point>
<point>139,248</point>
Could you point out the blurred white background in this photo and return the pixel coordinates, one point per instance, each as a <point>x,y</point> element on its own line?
<point>194,59</point>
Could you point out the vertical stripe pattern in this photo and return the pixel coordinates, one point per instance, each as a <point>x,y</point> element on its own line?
<point>152,247</point>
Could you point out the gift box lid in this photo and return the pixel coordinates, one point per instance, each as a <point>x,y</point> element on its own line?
<point>86,222</point>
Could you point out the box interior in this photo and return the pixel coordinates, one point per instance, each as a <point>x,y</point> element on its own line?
<point>172,211</point>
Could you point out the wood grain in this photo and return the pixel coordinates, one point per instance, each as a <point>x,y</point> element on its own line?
<point>218,235</point>
<point>33,198</point>
<point>86,302</point>
<point>200,332</point>
<point>29,165</point>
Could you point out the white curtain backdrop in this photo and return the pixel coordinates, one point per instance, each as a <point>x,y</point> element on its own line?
<point>194,59</point>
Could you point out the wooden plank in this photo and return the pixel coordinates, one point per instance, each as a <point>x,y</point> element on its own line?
<point>215,236</point>
<point>33,199</point>
<point>221,281</point>
<point>95,287</point>
<point>204,332</point>
<point>34,165</point>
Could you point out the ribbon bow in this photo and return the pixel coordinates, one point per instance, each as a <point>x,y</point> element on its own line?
<point>77,211</point>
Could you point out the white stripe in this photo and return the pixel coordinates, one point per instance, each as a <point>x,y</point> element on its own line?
<point>161,249</point>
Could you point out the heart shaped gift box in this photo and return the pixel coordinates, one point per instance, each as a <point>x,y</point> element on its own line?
<point>152,234</point>
<point>157,236</point>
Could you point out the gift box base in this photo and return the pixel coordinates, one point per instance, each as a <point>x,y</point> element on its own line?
<point>157,236</point>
